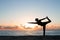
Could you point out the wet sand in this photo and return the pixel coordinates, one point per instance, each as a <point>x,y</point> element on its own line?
<point>29,38</point>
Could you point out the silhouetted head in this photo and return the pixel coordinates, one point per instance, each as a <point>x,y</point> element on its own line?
<point>36,19</point>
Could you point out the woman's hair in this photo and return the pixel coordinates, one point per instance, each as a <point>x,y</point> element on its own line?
<point>36,19</point>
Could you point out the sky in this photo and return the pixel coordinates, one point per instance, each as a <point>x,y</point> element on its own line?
<point>16,12</point>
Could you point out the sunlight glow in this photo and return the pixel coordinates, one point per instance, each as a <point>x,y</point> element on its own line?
<point>29,25</point>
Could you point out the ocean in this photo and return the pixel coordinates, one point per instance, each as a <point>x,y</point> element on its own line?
<point>26,33</point>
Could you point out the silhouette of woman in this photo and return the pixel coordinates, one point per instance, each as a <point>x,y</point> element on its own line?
<point>39,22</point>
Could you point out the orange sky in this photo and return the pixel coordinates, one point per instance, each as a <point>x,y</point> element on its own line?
<point>48,27</point>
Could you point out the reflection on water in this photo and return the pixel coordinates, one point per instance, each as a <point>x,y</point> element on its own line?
<point>24,33</point>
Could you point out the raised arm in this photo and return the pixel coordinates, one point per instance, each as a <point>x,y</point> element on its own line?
<point>32,22</point>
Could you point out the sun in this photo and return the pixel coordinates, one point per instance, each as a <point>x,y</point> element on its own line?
<point>29,25</point>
